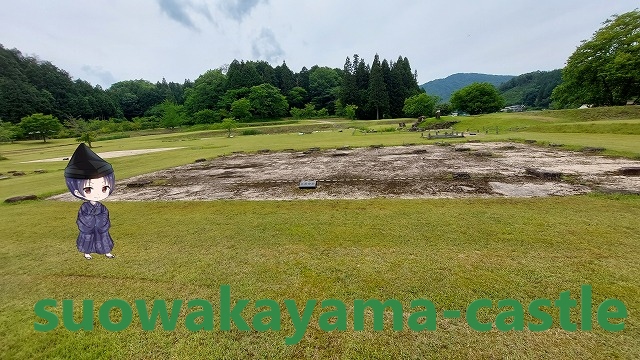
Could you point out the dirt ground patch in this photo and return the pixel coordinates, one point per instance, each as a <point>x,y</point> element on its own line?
<point>109,154</point>
<point>420,171</point>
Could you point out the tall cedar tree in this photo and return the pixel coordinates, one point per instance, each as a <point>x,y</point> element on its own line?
<point>378,97</point>
<point>348,91</point>
<point>400,83</point>
<point>362,86</point>
<point>243,74</point>
<point>285,79</point>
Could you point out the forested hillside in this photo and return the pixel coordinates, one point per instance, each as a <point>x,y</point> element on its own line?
<point>532,89</point>
<point>29,85</point>
<point>243,90</point>
<point>443,88</point>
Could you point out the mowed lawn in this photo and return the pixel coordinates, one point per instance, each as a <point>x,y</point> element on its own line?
<point>451,252</point>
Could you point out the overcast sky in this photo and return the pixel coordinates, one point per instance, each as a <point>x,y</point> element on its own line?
<point>105,41</point>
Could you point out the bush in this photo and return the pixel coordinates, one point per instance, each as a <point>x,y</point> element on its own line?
<point>297,113</point>
<point>113,137</point>
<point>322,113</point>
<point>67,133</point>
<point>251,132</point>
<point>309,112</point>
<point>148,122</point>
<point>206,116</point>
<point>350,111</point>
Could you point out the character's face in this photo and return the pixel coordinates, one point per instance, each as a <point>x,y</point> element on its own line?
<point>95,189</point>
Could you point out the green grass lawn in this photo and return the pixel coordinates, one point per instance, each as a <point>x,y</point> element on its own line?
<point>450,251</point>
<point>630,127</point>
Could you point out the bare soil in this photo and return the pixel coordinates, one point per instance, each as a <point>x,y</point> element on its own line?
<point>420,171</point>
<point>108,154</point>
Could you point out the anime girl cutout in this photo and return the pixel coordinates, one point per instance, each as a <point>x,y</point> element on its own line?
<point>91,179</point>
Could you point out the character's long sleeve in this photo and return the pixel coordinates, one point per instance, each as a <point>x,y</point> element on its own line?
<point>86,221</point>
<point>102,220</point>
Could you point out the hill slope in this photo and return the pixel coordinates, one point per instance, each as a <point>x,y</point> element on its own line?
<point>445,87</point>
<point>532,89</point>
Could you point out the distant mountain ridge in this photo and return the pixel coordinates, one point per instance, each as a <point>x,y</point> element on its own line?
<point>445,87</point>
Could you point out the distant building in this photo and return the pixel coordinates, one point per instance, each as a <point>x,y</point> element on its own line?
<point>514,108</point>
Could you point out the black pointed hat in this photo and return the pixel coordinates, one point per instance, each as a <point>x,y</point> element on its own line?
<point>85,164</point>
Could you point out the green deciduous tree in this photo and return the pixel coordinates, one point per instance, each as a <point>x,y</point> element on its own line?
<point>207,91</point>
<point>350,111</point>
<point>41,126</point>
<point>76,127</point>
<point>445,108</point>
<point>206,116</point>
<point>172,115</point>
<point>267,102</point>
<point>297,97</point>
<point>241,109</point>
<point>324,86</point>
<point>232,95</point>
<point>420,105</point>
<point>8,131</point>
<point>229,124</point>
<point>87,137</point>
<point>477,98</point>
<point>604,70</point>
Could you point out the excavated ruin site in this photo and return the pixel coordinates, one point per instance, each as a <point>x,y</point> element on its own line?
<point>417,171</point>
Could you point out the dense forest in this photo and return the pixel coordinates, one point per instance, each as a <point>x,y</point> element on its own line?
<point>28,86</point>
<point>532,89</point>
<point>242,90</point>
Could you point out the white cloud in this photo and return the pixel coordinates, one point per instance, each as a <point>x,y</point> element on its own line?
<point>97,75</point>
<point>112,40</point>
<point>239,9</point>
<point>266,47</point>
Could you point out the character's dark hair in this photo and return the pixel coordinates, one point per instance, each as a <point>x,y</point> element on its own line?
<point>79,184</point>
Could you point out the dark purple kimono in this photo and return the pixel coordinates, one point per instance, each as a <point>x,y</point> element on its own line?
<point>93,223</point>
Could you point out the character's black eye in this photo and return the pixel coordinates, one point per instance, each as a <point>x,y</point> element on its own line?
<point>105,189</point>
<point>87,190</point>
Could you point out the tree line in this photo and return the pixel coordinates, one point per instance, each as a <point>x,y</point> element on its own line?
<point>244,90</point>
